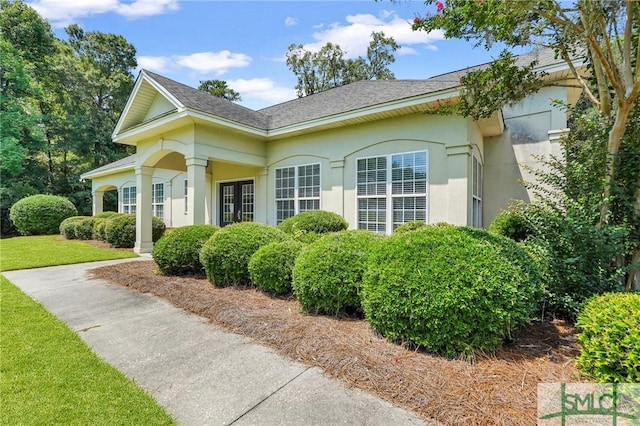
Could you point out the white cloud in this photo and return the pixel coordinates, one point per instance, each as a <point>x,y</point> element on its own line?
<point>217,63</point>
<point>290,21</point>
<point>154,63</point>
<point>61,13</point>
<point>354,35</point>
<point>263,89</point>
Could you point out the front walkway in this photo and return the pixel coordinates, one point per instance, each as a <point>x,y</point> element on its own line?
<point>200,373</point>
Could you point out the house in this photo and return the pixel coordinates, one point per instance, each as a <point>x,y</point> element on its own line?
<point>367,151</point>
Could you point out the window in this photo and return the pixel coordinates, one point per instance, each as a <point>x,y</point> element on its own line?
<point>129,199</point>
<point>157,200</point>
<point>476,193</point>
<point>391,190</point>
<point>297,190</point>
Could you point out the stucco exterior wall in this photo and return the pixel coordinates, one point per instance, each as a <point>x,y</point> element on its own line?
<point>509,157</point>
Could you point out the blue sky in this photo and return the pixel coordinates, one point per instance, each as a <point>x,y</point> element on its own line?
<point>244,42</point>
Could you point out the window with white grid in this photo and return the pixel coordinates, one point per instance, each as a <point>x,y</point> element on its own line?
<point>129,199</point>
<point>392,190</point>
<point>297,190</point>
<point>476,193</point>
<point>157,200</point>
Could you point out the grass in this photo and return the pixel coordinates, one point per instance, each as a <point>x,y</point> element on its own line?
<point>51,250</point>
<point>49,376</point>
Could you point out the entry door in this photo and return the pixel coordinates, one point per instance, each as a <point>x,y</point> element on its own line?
<point>236,202</point>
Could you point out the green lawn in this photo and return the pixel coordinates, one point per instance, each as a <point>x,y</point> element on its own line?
<point>47,374</point>
<point>50,250</point>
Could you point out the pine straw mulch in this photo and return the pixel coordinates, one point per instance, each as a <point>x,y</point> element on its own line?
<point>494,389</point>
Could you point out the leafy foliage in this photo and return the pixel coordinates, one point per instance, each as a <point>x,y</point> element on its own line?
<point>314,221</point>
<point>328,273</point>
<point>68,227</point>
<point>451,290</point>
<point>120,230</point>
<point>220,89</point>
<point>178,252</point>
<point>83,228</point>
<point>410,226</point>
<point>225,256</point>
<point>41,214</point>
<point>512,223</point>
<point>271,267</point>
<point>610,338</point>
<point>328,68</point>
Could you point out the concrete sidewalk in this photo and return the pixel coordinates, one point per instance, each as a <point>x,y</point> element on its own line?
<point>200,373</point>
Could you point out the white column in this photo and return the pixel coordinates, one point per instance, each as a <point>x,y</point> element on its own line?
<point>262,211</point>
<point>196,190</point>
<point>459,184</point>
<point>144,238</point>
<point>98,199</point>
<point>335,201</point>
<point>168,204</point>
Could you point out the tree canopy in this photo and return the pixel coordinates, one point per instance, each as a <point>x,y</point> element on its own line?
<point>220,89</point>
<point>598,39</point>
<point>329,67</point>
<point>59,101</point>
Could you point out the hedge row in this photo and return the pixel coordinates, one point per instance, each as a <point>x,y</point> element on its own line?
<point>117,229</point>
<point>450,290</point>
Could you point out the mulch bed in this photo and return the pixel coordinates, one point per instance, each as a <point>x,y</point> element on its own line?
<point>498,388</point>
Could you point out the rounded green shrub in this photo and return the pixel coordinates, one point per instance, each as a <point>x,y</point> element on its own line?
<point>225,256</point>
<point>106,215</point>
<point>41,214</point>
<point>410,226</point>
<point>83,228</point>
<point>271,267</point>
<point>68,227</point>
<point>451,290</point>
<point>99,224</point>
<point>328,273</point>
<point>512,223</point>
<point>120,230</point>
<point>178,252</point>
<point>318,221</point>
<point>610,336</point>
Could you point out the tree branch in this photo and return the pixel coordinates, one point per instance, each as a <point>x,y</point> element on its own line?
<point>583,83</point>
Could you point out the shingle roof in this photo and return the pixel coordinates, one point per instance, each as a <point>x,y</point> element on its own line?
<point>338,100</point>
<point>122,163</point>
<point>205,102</point>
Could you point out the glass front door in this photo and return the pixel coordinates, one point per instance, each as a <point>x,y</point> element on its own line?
<point>236,202</point>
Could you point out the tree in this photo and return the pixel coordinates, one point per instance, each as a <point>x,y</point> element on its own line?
<point>604,32</point>
<point>327,68</point>
<point>220,89</point>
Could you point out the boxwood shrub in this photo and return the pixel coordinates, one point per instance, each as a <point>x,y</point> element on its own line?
<point>271,267</point>
<point>512,223</point>
<point>83,228</point>
<point>99,225</point>
<point>120,230</point>
<point>225,256</point>
<point>410,226</point>
<point>178,252</point>
<point>68,227</point>
<point>41,214</point>
<point>450,290</point>
<point>106,215</point>
<point>327,275</point>
<point>316,221</point>
<point>610,335</point>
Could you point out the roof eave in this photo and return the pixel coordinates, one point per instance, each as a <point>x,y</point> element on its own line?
<point>107,172</point>
<point>372,110</point>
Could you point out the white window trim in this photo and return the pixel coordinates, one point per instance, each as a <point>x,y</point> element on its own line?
<point>296,197</point>
<point>476,217</point>
<point>154,203</point>
<point>389,196</point>
<point>123,204</point>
